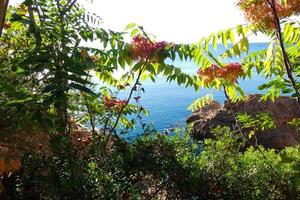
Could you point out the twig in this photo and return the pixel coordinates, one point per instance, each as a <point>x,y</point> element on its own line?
<point>91,116</point>
<point>69,5</point>
<point>128,99</point>
<point>286,60</point>
<point>33,26</point>
<point>244,136</point>
<point>240,130</point>
<point>39,14</point>
<point>111,131</point>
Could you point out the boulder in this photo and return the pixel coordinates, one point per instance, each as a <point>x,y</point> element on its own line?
<point>284,109</point>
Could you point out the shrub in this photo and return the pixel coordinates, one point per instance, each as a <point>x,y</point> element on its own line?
<point>156,166</point>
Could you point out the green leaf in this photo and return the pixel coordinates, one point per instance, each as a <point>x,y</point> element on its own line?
<point>81,88</point>
<point>230,34</point>
<point>130,26</point>
<point>49,88</point>
<point>200,102</point>
<point>160,68</point>
<point>21,101</point>
<point>77,79</point>
<point>138,66</point>
<point>121,62</point>
<point>150,68</point>
<point>236,50</point>
<point>283,2</point>
<point>288,31</point>
<point>214,42</point>
<point>78,71</point>
<point>152,77</point>
<point>269,58</point>
<point>240,30</point>
<point>168,70</point>
<point>214,58</point>
<point>20,70</point>
<point>134,32</point>
<point>244,44</point>
<point>224,39</point>
<point>113,43</point>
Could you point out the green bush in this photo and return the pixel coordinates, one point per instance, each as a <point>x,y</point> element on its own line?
<point>156,165</point>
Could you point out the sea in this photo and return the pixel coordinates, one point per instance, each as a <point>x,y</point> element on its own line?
<point>167,103</point>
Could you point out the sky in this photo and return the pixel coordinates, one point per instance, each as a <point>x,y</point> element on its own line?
<point>179,21</point>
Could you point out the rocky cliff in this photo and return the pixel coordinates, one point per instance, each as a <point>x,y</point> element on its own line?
<point>283,109</point>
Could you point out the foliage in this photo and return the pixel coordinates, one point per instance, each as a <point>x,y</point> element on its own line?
<point>47,84</point>
<point>260,122</point>
<point>45,55</point>
<point>201,102</point>
<point>154,165</point>
<point>295,123</point>
<point>47,66</point>
<point>277,64</point>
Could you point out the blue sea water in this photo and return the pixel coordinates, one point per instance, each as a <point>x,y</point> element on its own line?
<point>168,102</point>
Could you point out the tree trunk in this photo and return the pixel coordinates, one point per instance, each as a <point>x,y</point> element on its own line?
<point>3,8</point>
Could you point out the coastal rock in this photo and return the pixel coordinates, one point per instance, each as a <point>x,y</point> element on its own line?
<point>284,109</point>
<point>14,145</point>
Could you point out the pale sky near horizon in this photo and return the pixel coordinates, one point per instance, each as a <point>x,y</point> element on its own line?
<point>171,20</point>
<point>179,21</point>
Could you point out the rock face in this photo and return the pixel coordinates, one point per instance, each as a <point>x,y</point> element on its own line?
<point>14,145</point>
<point>283,110</point>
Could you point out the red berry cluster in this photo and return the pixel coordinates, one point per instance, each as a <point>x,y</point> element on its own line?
<point>145,50</point>
<point>230,72</point>
<point>113,103</point>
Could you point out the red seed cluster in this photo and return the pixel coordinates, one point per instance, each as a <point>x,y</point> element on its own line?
<point>114,104</point>
<point>260,12</point>
<point>84,53</point>
<point>230,72</point>
<point>145,50</point>
<point>209,74</point>
<point>7,25</point>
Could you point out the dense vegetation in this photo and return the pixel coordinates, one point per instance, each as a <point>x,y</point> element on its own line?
<point>160,166</point>
<point>47,86</point>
